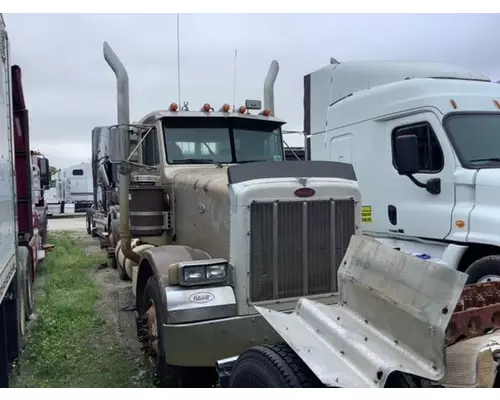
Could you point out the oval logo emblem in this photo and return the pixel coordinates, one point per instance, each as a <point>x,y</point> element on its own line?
<point>201,297</point>
<point>305,192</point>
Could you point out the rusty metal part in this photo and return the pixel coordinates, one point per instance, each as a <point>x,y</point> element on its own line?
<point>152,328</point>
<point>472,363</point>
<point>477,312</point>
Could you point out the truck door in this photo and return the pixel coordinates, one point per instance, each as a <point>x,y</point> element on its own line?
<point>412,210</point>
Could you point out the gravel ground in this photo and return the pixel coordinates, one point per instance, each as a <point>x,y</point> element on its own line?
<point>67,223</point>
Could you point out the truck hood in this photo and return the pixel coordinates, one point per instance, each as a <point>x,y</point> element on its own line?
<point>200,176</point>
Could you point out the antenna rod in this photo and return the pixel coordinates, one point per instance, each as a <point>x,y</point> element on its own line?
<point>234,79</point>
<point>178,62</point>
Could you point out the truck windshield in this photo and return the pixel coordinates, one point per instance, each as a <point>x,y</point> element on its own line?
<point>195,140</point>
<point>476,138</point>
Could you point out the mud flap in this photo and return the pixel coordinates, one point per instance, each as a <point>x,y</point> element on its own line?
<point>392,315</point>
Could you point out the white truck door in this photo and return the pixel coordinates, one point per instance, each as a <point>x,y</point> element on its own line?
<point>412,210</point>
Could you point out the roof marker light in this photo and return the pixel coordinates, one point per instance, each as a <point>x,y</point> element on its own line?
<point>242,110</point>
<point>225,108</point>
<point>173,107</point>
<point>206,107</point>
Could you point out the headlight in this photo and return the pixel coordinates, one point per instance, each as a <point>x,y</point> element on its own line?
<point>193,274</point>
<point>202,272</point>
<point>216,271</point>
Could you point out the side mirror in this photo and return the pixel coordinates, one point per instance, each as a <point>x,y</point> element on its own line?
<point>44,173</point>
<point>406,152</point>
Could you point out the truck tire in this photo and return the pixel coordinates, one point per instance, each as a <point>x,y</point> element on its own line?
<point>92,226</point>
<point>148,322</point>
<point>272,366</point>
<point>44,235</point>
<point>114,232</point>
<point>89,231</point>
<point>167,375</point>
<point>29,302</point>
<point>114,237</point>
<point>483,270</point>
<point>26,282</point>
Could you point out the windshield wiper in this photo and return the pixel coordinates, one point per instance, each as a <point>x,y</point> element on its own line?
<point>491,159</point>
<point>194,161</point>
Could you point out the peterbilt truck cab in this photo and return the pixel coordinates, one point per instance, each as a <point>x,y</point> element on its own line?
<point>206,218</point>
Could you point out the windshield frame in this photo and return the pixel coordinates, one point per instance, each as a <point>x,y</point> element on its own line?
<point>231,123</point>
<point>458,151</point>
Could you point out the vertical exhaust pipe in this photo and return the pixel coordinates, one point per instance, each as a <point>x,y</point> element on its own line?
<point>272,74</point>
<point>123,106</point>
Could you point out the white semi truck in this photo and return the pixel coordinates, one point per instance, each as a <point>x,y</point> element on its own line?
<point>422,138</point>
<point>71,190</point>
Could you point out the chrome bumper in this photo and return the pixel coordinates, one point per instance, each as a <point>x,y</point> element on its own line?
<point>203,344</point>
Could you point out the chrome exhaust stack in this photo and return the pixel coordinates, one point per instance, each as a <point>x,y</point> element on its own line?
<point>272,74</point>
<point>123,109</point>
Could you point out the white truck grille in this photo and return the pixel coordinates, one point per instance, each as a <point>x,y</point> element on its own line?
<point>296,246</point>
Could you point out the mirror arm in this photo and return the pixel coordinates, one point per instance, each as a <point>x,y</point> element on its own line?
<point>419,184</point>
<point>433,186</point>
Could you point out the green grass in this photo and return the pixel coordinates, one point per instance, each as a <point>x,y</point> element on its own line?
<point>66,344</point>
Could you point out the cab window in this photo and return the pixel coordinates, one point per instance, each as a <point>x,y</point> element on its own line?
<point>430,154</point>
<point>150,150</point>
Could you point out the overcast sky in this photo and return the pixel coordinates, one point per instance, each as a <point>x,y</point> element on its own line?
<point>69,88</point>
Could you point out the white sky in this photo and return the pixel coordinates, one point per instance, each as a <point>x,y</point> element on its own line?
<point>69,88</point>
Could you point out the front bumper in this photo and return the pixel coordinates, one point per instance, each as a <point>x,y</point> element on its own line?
<point>202,344</point>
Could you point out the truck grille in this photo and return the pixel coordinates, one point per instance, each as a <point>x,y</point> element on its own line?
<point>296,247</point>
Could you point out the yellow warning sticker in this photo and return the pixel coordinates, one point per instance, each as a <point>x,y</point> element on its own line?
<point>366,214</point>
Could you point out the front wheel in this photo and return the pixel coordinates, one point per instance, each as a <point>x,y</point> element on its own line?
<point>150,322</point>
<point>92,226</point>
<point>26,258</point>
<point>272,366</point>
<point>89,230</point>
<point>485,269</point>
<point>30,302</point>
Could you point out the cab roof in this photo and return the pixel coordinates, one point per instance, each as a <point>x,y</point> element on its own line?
<point>152,117</point>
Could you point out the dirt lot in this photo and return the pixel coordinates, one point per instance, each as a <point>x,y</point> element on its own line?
<point>67,223</point>
<point>79,335</point>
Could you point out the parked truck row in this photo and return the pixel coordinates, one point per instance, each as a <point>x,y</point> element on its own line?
<point>24,176</point>
<point>223,239</point>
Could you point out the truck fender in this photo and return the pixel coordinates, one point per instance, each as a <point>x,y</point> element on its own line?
<point>155,262</point>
